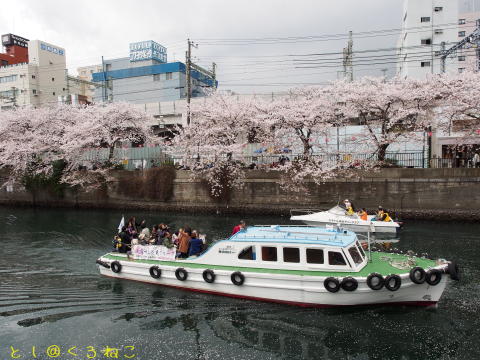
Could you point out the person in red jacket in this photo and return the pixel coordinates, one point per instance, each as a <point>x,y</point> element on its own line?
<point>239,227</point>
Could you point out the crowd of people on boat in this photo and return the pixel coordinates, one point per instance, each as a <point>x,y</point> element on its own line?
<point>381,214</point>
<point>187,242</point>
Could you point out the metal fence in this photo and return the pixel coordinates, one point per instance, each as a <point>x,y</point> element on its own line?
<point>144,158</point>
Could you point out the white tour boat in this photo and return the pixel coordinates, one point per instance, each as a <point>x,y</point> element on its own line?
<point>306,266</point>
<point>337,215</point>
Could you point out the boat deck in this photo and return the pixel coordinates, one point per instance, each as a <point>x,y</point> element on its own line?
<point>381,263</point>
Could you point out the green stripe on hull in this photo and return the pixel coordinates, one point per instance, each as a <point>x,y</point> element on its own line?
<point>379,265</point>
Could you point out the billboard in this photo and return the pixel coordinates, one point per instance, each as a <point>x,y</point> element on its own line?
<point>10,39</point>
<point>147,50</point>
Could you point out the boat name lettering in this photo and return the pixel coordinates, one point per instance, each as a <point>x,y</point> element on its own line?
<point>343,221</point>
<point>229,249</point>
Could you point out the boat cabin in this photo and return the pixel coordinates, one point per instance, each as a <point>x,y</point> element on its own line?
<point>288,247</point>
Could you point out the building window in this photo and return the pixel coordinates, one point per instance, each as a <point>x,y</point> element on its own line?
<point>34,91</point>
<point>461,58</point>
<point>169,76</point>
<point>291,255</point>
<point>9,78</point>
<point>426,41</point>
<point>461,70</point>
<point>269,253</point>
<point>461,21</point>
<point>315,256</point>
<point>425,19</point>
<point>156,77</point>
<point>438,31</point>
<point>425,64</point>
<point>53,79</point>
<point>33,76</point>
<point>53,93</point>
<point>438,8</point>
<point>405,17</point>
<point>461,34</point>
<point>4,62</point>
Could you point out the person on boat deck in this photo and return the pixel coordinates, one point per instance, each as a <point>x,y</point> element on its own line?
<point>144,230</point>
<point>195,245</point>
<point>131,229</point>
<point>383,215</point>
<point>239,227</point>
<point>153,235</point>
<point>362,214</point>
<point>184,242</point>
<point>125,240</point>
<point>348,207</point>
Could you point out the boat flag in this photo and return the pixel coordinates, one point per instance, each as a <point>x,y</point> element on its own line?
<point>122,223</point>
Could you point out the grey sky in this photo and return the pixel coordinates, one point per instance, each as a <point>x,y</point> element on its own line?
<point>89,29</point>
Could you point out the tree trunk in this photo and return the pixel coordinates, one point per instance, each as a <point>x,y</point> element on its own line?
<point>382,150</point>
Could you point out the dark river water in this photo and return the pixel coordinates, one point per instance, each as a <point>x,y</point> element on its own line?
<point>51,294</point>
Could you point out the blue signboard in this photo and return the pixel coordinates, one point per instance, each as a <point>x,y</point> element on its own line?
<point>147,50</point>
<point>52,49</point>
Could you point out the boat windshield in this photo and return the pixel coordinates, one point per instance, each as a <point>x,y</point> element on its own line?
<point>337,210</point>
<point>360,248</point>
<point>357,258</point>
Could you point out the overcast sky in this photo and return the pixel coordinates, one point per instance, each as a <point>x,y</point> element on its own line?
<point>265,62</point>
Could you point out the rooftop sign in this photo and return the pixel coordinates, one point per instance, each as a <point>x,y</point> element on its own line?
<point>147,50</point>
<point>10,39</point>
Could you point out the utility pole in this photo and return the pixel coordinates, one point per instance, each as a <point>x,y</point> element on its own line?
<point>214,75</point>
<point>188,73</point>
<point>469,41</point>
<point>348,59</point>
<point>104,88</point>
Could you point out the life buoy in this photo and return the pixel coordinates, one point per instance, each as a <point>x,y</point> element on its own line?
<point>434,276</point>
<point>375,281</point>
<point>453,270</point>
<point>155,272</point>
<point>418,275</point>
<point>237,278</point>
<point>208,276</point>
<point>181,274</point>
<point>332,284</point>
<point>393,282</point>
<point>116,267</point>
<point>349,284</point>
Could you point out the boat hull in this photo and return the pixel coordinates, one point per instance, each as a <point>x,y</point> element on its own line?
<point>297,290</point>
<point>354,227</point>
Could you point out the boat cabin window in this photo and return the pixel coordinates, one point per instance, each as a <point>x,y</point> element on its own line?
<point>315,256</point>
<point>336,258</point>
<point>291,255</point>
<point>357,258</point>
<point>359,246</point>
<point>247,254</point>
<point>269,253</point>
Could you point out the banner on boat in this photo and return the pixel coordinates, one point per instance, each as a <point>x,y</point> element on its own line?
<point>153,252</point>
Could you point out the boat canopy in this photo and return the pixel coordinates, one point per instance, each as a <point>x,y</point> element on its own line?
<point>296,234</point>
<point>337,210</point>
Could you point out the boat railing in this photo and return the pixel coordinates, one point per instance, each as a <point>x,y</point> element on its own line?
<point>334,236</point>
<point>294,212</point>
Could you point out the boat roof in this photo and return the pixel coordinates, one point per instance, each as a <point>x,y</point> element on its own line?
<point>296,234</point>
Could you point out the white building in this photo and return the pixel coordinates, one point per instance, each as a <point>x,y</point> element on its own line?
<point>426,25</point>
<point>39,82</point>
<point>469,14</point>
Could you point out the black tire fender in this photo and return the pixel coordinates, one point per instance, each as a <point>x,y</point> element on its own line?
<point>181,274</point>
<point>349,284</point>
<point>155,272</point>
<point>453,270</point>
<point>397,282</point>
<point>331,284</point>
<point>237,278</point>
<point>434,276</point>
<point>116,267</point>
<point>208,276</point>
<point>418,275</point>
<point>379,285</point>
<point>103,263</point>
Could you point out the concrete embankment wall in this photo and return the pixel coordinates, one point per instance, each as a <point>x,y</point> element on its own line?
<point>410,193</point>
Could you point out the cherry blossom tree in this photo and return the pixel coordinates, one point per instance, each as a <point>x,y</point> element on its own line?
<point>388,109</point>
<point>212,146</point>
